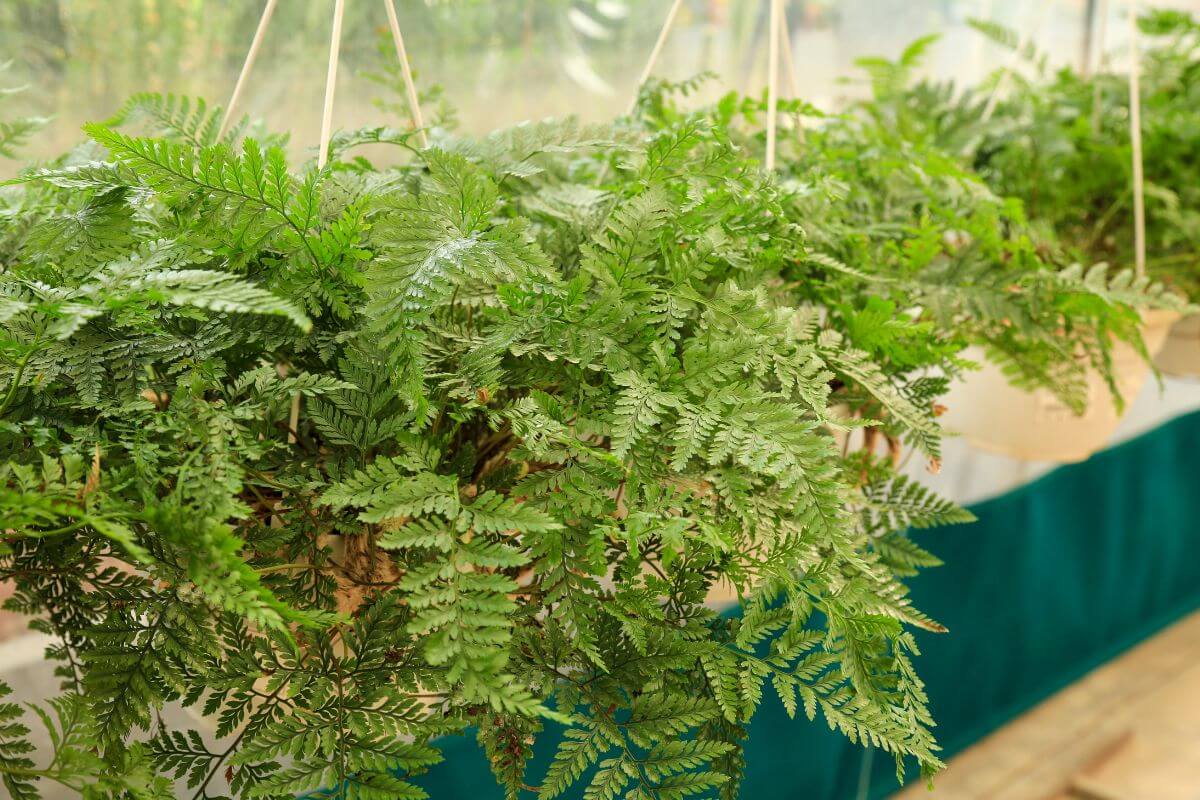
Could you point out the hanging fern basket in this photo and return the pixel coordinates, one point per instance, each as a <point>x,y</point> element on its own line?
<point>997,417</point>
<point>1180,355</point>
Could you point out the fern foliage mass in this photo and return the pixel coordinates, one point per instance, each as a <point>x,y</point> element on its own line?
<point>348,460</point>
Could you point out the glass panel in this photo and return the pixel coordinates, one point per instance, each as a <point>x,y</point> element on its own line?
<point>499,61</point>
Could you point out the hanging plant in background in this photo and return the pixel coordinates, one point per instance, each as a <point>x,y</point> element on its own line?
<point>926,130</point>
<point>1060,141</point>
<point>901,234</point>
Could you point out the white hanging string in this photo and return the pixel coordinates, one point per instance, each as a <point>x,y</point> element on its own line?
<point>1135,134</point>
<point>410,87</point>
<point>335,41</point>
<point>789,65</point>
<point>978,67</point>
<point>774,36</point>
<point>1088,40</point>
<point>335,46</point>
<point>656,52</point>
<point>1101,61</point>
<point>1015,58</point>
<point>247,65</point>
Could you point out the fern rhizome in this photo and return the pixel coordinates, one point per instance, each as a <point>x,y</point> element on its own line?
<point>351,459</point>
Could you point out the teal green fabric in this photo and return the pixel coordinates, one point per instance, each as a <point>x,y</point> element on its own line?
<point>1054,579</point>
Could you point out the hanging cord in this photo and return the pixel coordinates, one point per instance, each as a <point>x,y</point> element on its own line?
<point>414,102</point>
<point>789,66</point>
<point>1006,74</point>
<point>335,43</point>
<point>335,46</point>
<point>789,62</point>
<point>655,53</point>
<point>864,774</point>
<point>774,36</point>
<point>979,42</point>
<point>1135,135</point>
<point>247,65</point>
<point>1087,41</point>
<point>1101,62</point>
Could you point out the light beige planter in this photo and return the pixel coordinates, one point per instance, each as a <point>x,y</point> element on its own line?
<point>721,595</point>
<point>1035,426</point>
<point>1180,355</point>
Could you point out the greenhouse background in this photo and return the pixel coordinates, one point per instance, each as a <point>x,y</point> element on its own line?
<point>494,62</point>
<point>1071,675</point>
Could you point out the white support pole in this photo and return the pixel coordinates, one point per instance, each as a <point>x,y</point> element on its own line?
<point>335,45</point>
<point>773,37</point>
<point>414,101</point>
<point>656,52</point>
<point>789,62</point>
<point>1035,26</point>
<point>247,65</point>
<point>978,67</point>
<point>789,66</point>
<point>1101,61</point>
<point>1088,39</point>
<point>1135,135</point>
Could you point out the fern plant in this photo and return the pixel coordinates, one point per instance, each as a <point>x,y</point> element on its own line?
<point>549,394</point>
<point>351,459</point>
<point>1060,142</point>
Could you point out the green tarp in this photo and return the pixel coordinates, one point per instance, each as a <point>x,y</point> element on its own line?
<point>1054,579</point>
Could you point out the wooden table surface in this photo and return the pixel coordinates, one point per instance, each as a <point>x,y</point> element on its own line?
<point>1129,730</point>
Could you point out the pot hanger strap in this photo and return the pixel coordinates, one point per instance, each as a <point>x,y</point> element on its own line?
<point>1035,27</point>
<point>251,55</point>
<point>335,46</point>
<point>1135,138</point>
<point>335,42</point>
<point>1101,61</point>
<point>775,37</point>
<point>331,73</point>
<point>656,52</point>
<point>775,34</point>
<point>414,101</point>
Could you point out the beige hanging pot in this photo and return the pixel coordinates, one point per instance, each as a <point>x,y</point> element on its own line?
<point>993,415</point>
<point>997,417</point>
<point>1180,356</point>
